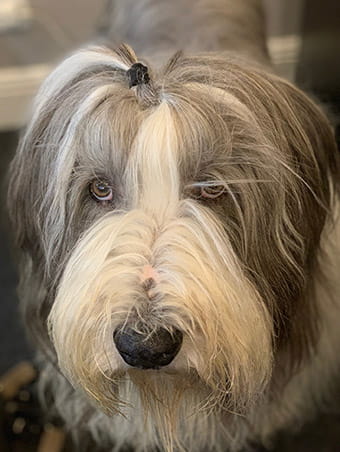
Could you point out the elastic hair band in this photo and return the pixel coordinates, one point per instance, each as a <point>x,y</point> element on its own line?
<point>138,74</point>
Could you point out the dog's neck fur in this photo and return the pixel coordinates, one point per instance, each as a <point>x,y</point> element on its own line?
<point>157,28</point>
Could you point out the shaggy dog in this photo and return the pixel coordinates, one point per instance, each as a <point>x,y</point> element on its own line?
<point>177,221</point>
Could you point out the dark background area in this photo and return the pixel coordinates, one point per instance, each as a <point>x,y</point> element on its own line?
<point>12,337</point>
<point>318,71</point>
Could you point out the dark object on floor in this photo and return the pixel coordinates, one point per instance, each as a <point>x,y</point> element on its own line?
<point>22,425</point>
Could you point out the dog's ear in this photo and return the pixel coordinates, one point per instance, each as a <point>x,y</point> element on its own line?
<point>27,186</point>
<point>302,158</point>
<point>303,130</point>
<point>304,144</point>
<point>315,160</point>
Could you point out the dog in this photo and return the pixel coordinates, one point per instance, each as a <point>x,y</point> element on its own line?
<point>177,220</point>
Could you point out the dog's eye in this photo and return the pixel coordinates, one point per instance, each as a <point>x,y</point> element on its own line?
<point>211,191</point>
<point>100,190</point>
<point>199,191</point>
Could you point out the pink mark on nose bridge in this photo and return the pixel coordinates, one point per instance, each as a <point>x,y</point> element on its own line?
<point>148,272</point>
<point>149,279</point>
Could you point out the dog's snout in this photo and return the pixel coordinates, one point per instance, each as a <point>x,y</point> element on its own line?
<point>148,350</point>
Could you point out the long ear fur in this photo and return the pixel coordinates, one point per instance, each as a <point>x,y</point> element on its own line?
<point>302,128</point>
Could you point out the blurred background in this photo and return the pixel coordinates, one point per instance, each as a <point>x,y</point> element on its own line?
<point>304,41</point>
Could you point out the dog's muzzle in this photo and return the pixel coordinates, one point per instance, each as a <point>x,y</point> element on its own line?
<point>148,350</point>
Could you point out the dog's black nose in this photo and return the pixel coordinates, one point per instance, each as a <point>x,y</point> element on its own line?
<point>148,350</point>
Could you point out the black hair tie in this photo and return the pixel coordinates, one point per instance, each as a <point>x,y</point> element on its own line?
<point>138,74</point>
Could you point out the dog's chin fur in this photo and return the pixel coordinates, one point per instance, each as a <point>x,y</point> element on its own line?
<point>224,182</point>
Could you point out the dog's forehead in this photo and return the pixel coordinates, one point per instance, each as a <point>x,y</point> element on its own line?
<point>199,108</point>
<point>196,124</point>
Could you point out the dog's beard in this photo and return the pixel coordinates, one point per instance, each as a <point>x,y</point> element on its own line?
<point>226,356</point>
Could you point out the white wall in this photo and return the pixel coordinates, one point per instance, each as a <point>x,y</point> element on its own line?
<point>77,18</point>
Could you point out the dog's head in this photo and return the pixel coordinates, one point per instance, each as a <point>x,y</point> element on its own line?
<point>170,230</point>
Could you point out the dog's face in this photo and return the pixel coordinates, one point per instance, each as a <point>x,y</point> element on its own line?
<point>170,230</point>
